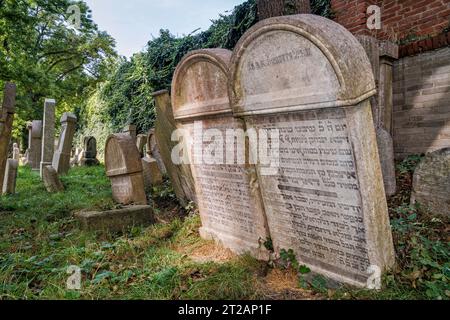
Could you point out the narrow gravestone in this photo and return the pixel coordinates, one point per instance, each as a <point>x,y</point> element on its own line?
<point>431,183</point>
<point>27,153</point>
<point>229,200</point>
<point>180,175</point>
<point>153,150</point>
<point>16,152</point>
<point>61,158</point>
<point>48,134</point>
<point>387,160</point>
<point>150,170</point>
<point>36,145</point>
<point>131,130</point>
<point>89,157</point>
<point>309,81</point>
<point>141,140</point>
<point>51,180</point>
<point>9,182</point>
<point>124,168</point>
<point>6,122</point>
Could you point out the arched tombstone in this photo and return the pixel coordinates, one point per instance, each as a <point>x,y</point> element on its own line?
<point>229,200</point>
<point>152,150</point>
<point>309,80</point>
<point>89,155</point>
<point>124,168</point>
<point>36,145</point>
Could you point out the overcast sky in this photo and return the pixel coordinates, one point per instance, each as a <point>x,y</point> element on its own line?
<point>133,22</point>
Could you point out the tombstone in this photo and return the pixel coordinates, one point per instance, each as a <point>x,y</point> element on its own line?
<point>387,160</point>
<point>151,172</point>
<point>16,152</point>
<point>89,155</point>
<point>9,182</point>
<point>179,175</point>
<point>141,141</point>
<point>153,150</point>
<point>61,158</point>
<point>51,180</point>
<point>307,81</point>
<point>6,122</point>
<point>124,168</point>
<point>229,201</point>
<point>36,145</point>
<point>27,152</point>
<point>48,134</point>
<point>431,183</point>
<point>131,130</point>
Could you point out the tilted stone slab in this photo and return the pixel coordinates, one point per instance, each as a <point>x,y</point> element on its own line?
<point>51,180</point>
<point>48,134</point>
<point>61,158</point>
<point>387,159</point>
<point>153,150</point>
<point>151,172</point>
<point>6,122</point>
<point>309,80</point>
<point>229,200</point>
<point>124,169</point>
<point>9,182</point>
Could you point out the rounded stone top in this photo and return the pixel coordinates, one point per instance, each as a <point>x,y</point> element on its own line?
<point>36,129</point>
<point>298,62</point>
<point>199,86</point>
<point>121,155</point>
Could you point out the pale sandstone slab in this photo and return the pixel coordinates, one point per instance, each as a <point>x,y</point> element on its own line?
<point>228,198</point>
<point>9,182</point>
<point>61,158</point>
<point>124,169</point>
<point>6,121</point>
<point>310,79</point>
<point>36,145</point>
<point>431,184</point>
<point>141,141</point>
<point>51,180</point>
<point>179,175</point>
<point>151,172</point>
<point>48,134</point>
<point>116,220</point>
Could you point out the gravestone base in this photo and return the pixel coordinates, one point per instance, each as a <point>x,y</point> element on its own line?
<point>116,220</point>
<point>237,245</point>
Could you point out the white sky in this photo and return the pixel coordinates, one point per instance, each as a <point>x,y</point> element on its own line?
<point>133,23</point>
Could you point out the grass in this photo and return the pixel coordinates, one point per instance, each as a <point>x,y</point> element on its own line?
<point>39,240</point>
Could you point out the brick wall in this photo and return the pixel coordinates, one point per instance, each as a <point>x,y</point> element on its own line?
<point>400,18</point>
<point>422,103</point>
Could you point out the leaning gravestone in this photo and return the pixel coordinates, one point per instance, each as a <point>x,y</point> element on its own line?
<point>6,122</point>
<point>9,182</point>
<point>124,168</point>
<point>153,150</point>
<point>387,160</point>
<point>89,157</point>
<point>131,130</point>
<point>36,145</point>
<point>180,175</point>
<point>141,140</point>
<point>51,180</point>
<point>48,134</point>
<point>229,200</point>
<point>61,158</point>
<point>431,183</point>
<point>310,80</point>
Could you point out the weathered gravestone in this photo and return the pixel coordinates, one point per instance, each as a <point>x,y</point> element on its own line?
<point>36,145</point>
<point>431,183</point>
<point>48,134</point>
<point>141,141</point>
<point>124,168</point>
<point>16,152</point>
<point>387,160</point>
<point>228,196</point>
<point>27,152</point>
<point>6,122</point>
<point>152,150</point>
<point>51,180</point>
<point>9,182</point>
<point>61,158</point>
<point>180,175</point>
<point>131,130</point>
<point>310,80</point>
<point>89,157</point>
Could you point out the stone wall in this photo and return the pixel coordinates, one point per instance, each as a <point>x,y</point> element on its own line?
<point>422,103</point>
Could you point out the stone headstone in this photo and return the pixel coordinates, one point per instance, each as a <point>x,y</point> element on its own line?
<point>431,183</point>
<point>151,172</point>
<point>16,152</point>
<point>9,182</point>
<point>36,145</point>
<point>229,200</point>
<point>180,175</point>
<point>141,141</point>
<point>51,180</point>
<point>307,81</point>
<point>152,150</point>
<point>27,152</point>
<point>48,134</point>
<point>61,158</point>
<point>387,159</point>
<point>6,122</point>
<point>124,169</point>
<point>89,157</point>
<point>131,130</point>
